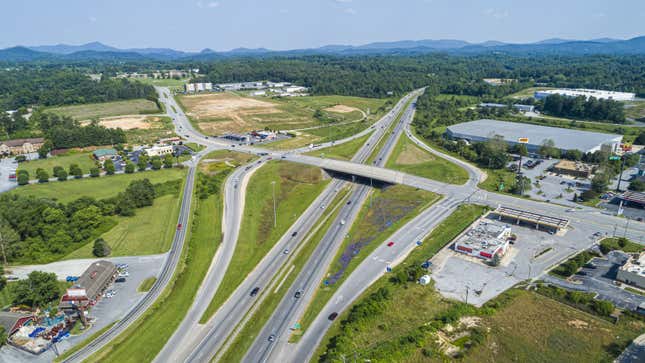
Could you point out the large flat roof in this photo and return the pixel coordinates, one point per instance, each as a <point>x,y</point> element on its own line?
<point>566,139</point>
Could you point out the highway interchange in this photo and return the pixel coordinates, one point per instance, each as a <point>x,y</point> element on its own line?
<point>194,342</point>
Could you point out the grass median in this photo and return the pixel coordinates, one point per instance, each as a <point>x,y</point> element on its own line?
<point>146,337</point>
<point>296,186</point>
<point>391,208</point>
<point>409,158</point>
<point>254,325</point>
<point>343,151</point>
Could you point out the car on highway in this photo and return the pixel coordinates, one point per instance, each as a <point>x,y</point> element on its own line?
<point>286,251</point>
<point>349,202</point>
<point>332,316</point>
<point>342,222</point>
<point>120,279</point>
<point>294,234</point>
<point>179,226</point>
<point>390,244</point>
<point>255,291</point>
<point>272,337</point>
<point>298,294</point>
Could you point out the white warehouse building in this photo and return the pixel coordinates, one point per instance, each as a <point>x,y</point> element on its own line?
<point>599,94</point>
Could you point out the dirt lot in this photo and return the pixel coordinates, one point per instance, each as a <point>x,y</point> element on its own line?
<point>341,109</point>
<point>130,122</point>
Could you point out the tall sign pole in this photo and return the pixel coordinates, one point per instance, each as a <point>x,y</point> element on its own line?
<point>520,179</point>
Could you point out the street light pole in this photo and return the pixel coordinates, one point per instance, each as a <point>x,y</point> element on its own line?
<point>275,213</point>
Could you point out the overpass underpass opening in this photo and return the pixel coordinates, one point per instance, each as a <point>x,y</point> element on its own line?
<point>376,183</point>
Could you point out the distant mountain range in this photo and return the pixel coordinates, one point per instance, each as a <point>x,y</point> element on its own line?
<point>100,51</point>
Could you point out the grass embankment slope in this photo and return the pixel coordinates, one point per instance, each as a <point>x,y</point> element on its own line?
<point>519,325</point>
<point>390,209</point>
<point>83,159</point>
<point>144,339</point>
<point>106,109</point>
<point>409,158</point>
<point>296,186</point>
<point>343,151</point>
<point>98,188</point>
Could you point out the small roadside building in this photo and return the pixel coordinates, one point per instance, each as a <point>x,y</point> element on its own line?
<point>573,168</point>
<point>90,285</point>
<point>20,146</point>
<point>159,150</point>
<point>11,322</point>
<point>633,271</point>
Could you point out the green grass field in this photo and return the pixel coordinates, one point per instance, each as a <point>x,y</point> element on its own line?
<point>635,110</point>
<point>146,284</point>
<point>83,159</point>
<point>343,151</point>
<point>142,341</point>
<point>149,231</point>
<point>98,188</point>
<point>295,188</point>
<point>161,129</point>
<point>409,158</point>
<point>105,109</point>
<point>391,208</point>
<point>252,328</point>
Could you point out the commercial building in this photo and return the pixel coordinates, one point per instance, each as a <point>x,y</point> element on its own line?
<point>198,87</point>
<point>517,106</point>
<point>573,168</point>
<point>104,154</point>
<point>633,271</point>
<point>564,139</point>
<point>484,240</point>
<point>633,198</point>
<point>237,137</point>
<point>159,150</point>
<point>90,286</point>
<point>587,93</point>
<point>537,219</point>
<point>20,146</point>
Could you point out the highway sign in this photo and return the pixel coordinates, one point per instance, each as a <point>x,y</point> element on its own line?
<point>523,140</point>
<point>614,157</point>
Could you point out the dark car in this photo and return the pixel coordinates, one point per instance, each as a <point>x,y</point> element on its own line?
<point>298,294</point>
<point>581,273</point>
<point>272,337</point>
<point>294,234</point>
<point>120,279</point>
<point>332,316</point>
<point>349,202</point>
<point>255,291</point>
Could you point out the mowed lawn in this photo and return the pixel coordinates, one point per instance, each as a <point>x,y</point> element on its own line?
<point>98,188</point>
<point>295,188</point>
<point>149,231</point>
<point>83,159</point>
<point>343,151</point>
<point>105,109</point>
<point>409,158</point>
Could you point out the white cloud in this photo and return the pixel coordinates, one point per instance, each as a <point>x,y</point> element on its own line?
<point>213,4</point>
<point>350,11</point>
<point>92,19</point>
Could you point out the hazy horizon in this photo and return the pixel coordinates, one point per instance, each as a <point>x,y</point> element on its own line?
<point>290,24</point>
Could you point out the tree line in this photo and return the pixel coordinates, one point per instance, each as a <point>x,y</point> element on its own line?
<point>583,108</point>
<point>40,230</point>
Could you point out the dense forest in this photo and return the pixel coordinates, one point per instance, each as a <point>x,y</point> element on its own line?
<point>65,132</point>
<point>580,107</point>
<point>27,86</point>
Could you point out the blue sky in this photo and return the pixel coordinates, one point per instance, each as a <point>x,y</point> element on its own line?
<point>290,24</point>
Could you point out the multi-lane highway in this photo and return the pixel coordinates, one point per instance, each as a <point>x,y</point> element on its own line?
<point>291,307</point>
<point>210,338</point>
<point>195,342</point>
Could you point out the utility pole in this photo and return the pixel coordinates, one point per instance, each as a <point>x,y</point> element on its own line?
<point>622,166</point>
<point>275,213</point>
<point>4,255</point>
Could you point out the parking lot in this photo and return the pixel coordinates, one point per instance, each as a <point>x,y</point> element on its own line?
<point>469,279</point>
<point>600,279</point>
<point>106,311</point>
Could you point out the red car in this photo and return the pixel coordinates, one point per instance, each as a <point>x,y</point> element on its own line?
<point>179,226</point>
<point>390,244</point>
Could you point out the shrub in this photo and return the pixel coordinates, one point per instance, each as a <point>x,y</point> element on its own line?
<point>101,248</point>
